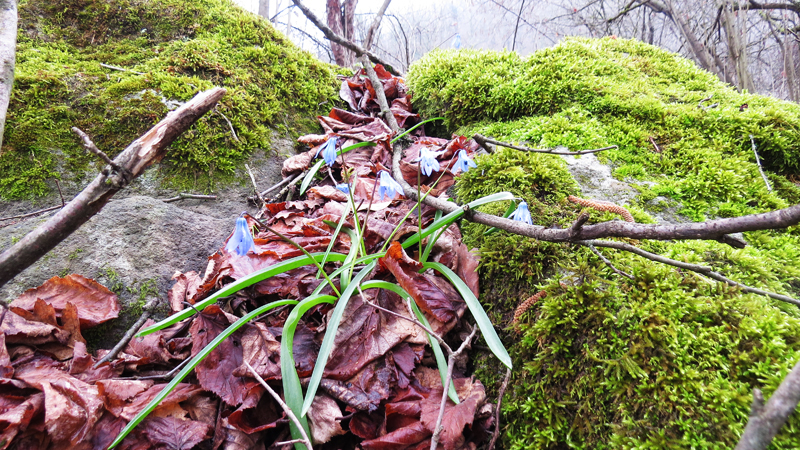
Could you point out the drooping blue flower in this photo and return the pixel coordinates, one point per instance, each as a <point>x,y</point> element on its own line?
<point>388,186</point>
<point>344,187</point>
<point>242,241</point>
<point>457,42</point>
<point>521,214</point>
<point>428,162</point>
<point>328,151</point>
<point>464,162</point>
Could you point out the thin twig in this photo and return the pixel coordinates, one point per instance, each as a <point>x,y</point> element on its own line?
<point>89,145</point>
<point>183,196</point>
<point>230,125</point>
<point>451,361</point>
<point>292,183</point>
<point>60,194</point>
<point>22,216</point>
<point>609,264</point>
<point>707,271</point>
<point>255,186</point>
<point>278,185</point>
<point>121,69</point>
<point>376,22</point>
<point>306,441</point>
<point>483,140</point>
<point>146,312</point>
<point>409,319</point>
<point>497,410</point>
<point>758,161</point>
<point>293,441</point>
<point>165,376</point>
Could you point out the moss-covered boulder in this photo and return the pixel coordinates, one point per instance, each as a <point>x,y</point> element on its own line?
<point>669,358</point>
<point>167,50</point>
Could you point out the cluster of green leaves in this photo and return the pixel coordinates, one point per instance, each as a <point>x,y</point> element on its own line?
<point>667,360</point>
<point>180,47</point>
<point>589,93</point>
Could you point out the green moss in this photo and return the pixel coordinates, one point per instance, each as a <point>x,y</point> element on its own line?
<point>178,48</point>
<point>670,358</point>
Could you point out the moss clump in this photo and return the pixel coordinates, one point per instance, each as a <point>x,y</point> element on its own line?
<point>668,359</point>
<point>586,93</point>
<point>173,49</point>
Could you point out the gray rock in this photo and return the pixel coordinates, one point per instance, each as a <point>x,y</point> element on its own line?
<point>596,181</point>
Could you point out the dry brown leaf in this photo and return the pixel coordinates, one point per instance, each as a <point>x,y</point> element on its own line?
<point>95,303</point>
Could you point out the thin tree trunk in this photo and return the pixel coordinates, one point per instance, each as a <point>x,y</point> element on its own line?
<point>8,51</point>
<point>263,8</point>
<point>341,14</point>
<point>737,48</point>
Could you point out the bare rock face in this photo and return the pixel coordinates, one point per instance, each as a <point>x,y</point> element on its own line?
<point>133,247</point>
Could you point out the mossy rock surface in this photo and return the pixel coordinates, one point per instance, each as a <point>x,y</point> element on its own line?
<point>668,359</point>
<point>172,49</point>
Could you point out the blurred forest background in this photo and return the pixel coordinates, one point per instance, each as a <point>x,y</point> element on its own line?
<point>750,44</point>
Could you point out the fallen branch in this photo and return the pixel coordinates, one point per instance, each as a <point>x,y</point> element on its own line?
<point>332,36</point>
<point>184,195</point>
<point>380,95</point>
<point>483,141</point>
<point>89,145</point>
<point>255,186</point>
<point>146,313</point>
<point>305,440</point>
<point>143,152</point>
<point>707,271</point>
<point>766,420</point>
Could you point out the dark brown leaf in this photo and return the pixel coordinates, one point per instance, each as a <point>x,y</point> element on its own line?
<point>262,351</point>
<point>95,303</point>
<point>151,349</point>
<point>258,412</point>
<point>215,372</point>
<point>434,298</point>
<point>6,370</point>
<point>185,288</point>
<point>16,418</point>
<point>456,417</point>
<point>368,388</point>
<point>72,407</point>
<point>399,439</point>
<point>175,434</point>
<point>324,418</point>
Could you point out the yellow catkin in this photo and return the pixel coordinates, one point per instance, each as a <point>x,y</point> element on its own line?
<point>603,206</point>
<point>527,304</point>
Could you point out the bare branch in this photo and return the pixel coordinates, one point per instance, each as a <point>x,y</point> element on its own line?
<point>497,410</point>
<point>451,361</point>
<point>146,313</point>
<point>483,140</point>
<point>758,161</point>
<point>184,195</point>
<point>380,95</point>
<point>707,271</point>
<point>376,22</point>
<point>765,421</point>
<point>143,152</point>
<point>306,441</point>
<point>333,37</point>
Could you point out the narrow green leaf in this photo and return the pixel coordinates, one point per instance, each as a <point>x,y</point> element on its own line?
<point>415,127</point>
<point>511,207</point>
<point>310,176</point>
<point>330,334</point>
<point>455,215</point>
<point>431,242</point>
<point>253,278</point>
<point>340,270</point>
<point>192,364</point>
<point>292,390</point>
<point>334,236</point>
<point>441,362</point>
<point>485,325</point>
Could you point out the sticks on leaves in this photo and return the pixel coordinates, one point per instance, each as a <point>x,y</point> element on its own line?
<point>483,141</point>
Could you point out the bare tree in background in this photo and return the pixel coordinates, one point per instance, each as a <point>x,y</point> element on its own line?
<point>340,14</point>
<point>263,8</point>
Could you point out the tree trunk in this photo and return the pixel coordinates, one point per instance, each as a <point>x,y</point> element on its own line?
<point>341,14</point>
<point>8,50</point>
<point>737,48</point>
<point>263,8</point>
